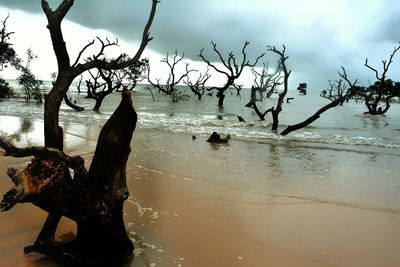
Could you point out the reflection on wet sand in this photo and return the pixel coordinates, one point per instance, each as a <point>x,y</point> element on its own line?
<point>242,204</point>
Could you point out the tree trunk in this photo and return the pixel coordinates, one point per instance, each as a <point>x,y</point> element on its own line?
<point>53,133</point>
<point>313,118</point>
<point>98,195</point>
<point>99,101</point>
<point>53,138</point>
<point>221,98</point>
<point>275,120</point>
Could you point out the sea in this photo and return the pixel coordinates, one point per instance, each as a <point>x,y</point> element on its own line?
<point>345,158</point>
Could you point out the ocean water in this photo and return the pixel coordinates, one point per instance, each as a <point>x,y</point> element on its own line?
<point>346,125</point>
<point>345,158</point>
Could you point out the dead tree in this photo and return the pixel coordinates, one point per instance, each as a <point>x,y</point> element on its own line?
<point>302,88</point>
<point>67,71</point>
<point>336,99</point>
<point>264,82</point>
<point>283,78</point>
<point>78,86</point>
<point>337,89</point>
<point>286,73</point>
<point>133,74</point>
<point>377,96</point>
<point>93,199</point>
<point>105,82</point>
<point>231,69</point>
<point>7,52</point>
<point>169,87</point>
<point>198,86</point>
<point>101,84</point>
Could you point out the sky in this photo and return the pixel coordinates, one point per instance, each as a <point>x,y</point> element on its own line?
<point>320,35</point>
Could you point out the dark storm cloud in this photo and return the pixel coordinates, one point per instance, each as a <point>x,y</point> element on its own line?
<point>184,25</point>
<point>320,36</point>
<point>390,26</point>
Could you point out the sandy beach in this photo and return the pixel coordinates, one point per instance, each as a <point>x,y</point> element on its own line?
<point>178,215</point>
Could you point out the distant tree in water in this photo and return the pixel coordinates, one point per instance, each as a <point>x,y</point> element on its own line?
<point>7,52</point>
<point>198,84</point>
<point>28,82</point>
<point>282,79</point>
<point>302,88</point>
<point>231,69</point>
<point>169,87</point>
<point>377,97</point>
<point>5,89</point>
<point>104,82</point>
<point>7,56</point>
<point>337,89</point>
<point>337,95</point>
<point>134,73</point>
<point>101,84</point>
<point>264,82</point>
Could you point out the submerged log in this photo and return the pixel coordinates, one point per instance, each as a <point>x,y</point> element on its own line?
<point>93,199</point>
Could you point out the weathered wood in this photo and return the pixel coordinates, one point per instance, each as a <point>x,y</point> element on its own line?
<point>67,72</point>
<point>317,114</point>
<point>98,194</point>
<point>72,105</point>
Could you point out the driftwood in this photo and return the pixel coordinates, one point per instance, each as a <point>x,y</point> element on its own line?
<point>72,105</point>
<point>93,199</point>
<point>216,138</point>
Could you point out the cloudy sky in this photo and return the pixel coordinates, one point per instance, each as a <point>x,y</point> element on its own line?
<point>320,35</point>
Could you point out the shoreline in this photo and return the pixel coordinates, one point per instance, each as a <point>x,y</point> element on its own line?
<point>186,208</point>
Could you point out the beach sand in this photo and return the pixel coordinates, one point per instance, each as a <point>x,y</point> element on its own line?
<point>178,219</point>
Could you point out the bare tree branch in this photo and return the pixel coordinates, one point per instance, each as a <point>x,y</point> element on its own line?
<point>233,71</point>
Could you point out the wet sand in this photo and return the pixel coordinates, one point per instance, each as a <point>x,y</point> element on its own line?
<point>180,220</point>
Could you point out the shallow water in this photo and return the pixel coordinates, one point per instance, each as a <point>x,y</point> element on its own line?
<point>345,158</point>
<point>345,125</point>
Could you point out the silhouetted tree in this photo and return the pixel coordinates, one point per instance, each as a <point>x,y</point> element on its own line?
<point>101,225</point>
<point>231,69</point>
<point>377,96</point>
<point>7,52</point>
<point>197,86</point>
<point>101,84</point>
<point>282,79</point>
<point>28,82</point>
<point>337,89</point>
<point>169,88</point>
<point>302,88</point>
<point>264,81</point>
<point>133,74</point>
<point>5,89</point>
<point>7,56</point>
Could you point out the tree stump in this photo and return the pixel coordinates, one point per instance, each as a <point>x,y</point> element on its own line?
<point>93,199</point>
